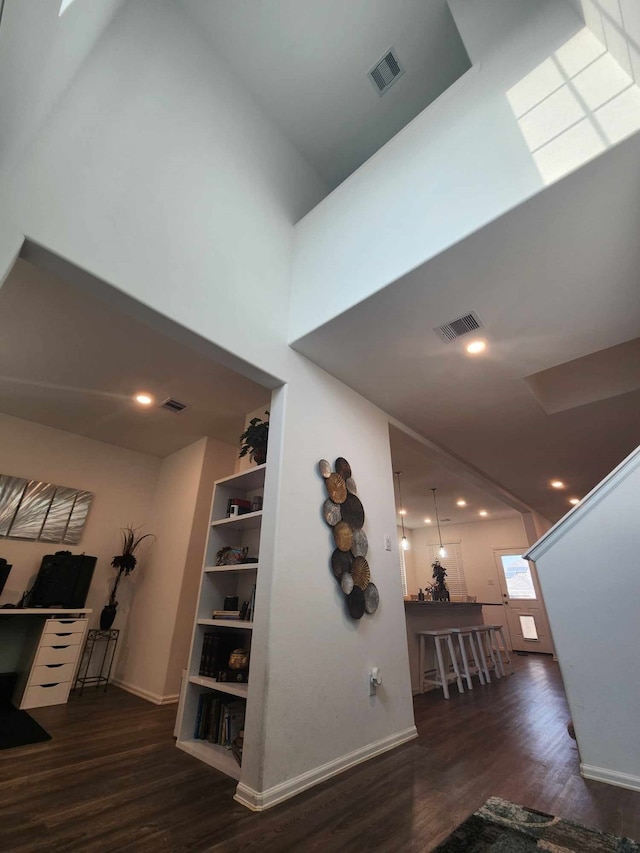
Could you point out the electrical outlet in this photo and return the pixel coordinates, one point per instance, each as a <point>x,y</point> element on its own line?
<point>387,542</point>
<point>490,582</point>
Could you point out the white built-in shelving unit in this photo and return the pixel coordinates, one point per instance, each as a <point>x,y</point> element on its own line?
<point>218,582</point>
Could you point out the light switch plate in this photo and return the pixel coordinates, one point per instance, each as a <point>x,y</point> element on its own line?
<point>387,542</point>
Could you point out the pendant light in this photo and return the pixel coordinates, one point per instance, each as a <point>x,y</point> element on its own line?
<point>441,550</point>
<point>404,542</point>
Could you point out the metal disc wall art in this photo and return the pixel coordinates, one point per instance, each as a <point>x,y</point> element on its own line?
<point>331,512</point>
<point>344,513</point>
<point>325,468</point>
<point>341,562</point>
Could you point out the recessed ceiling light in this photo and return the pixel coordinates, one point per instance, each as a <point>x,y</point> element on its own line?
<point>483,512</point>
<point>427,521</point>
<point>403,512</point>
<point>574,501</point>
<point>144,399</point>
<point>557,484</point>
<point>461,503</point>
<point>476,347</point>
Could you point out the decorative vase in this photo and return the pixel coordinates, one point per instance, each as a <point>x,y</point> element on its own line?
<point>259,454</point>
<point>107,616</point>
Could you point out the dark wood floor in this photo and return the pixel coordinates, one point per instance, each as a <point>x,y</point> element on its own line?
<point>112,780</point>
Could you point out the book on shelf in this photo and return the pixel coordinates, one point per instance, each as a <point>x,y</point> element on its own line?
<point>237,745</point>
<point>237,506</point>
<point>226,614</point>
<point>216,649</point>
<point>251,605</point>
<point>219,720</point>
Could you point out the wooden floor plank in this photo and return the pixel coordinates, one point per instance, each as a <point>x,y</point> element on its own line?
<point>111,779</point>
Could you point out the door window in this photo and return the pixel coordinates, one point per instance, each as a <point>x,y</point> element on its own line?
<point>517,575</point>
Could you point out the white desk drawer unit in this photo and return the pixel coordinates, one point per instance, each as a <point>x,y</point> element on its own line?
<point>55,663</point>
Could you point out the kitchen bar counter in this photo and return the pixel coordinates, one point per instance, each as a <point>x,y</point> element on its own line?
<point>431,615</point>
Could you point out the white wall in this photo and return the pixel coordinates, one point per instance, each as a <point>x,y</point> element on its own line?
<point>146,644</point>
<point>123,484</point>
<point>316,708</point>
<point>588,570</point>
<point>158,173</point>
<point>521,119</point>
<point>28,90</point>
<point>218,461</point>
<point>617,25</point>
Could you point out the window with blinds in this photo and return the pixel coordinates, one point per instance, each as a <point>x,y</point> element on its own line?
<point>403,570</point>
<point>455,579</point>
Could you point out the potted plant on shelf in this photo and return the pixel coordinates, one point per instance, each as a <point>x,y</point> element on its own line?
<point>125,563</point>
<point>254,440</point>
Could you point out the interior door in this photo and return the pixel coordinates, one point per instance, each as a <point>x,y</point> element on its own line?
<point>524,606</point>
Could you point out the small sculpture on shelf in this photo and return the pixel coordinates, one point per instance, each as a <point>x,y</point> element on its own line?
<point>229,556</point>
<point>439,591</point>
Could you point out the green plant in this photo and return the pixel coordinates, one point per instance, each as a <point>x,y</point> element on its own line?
<point>439,573</point>
<point>126,561</point>
<point>255,437</point>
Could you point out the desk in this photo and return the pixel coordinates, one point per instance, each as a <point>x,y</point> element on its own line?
<point>43,646</point>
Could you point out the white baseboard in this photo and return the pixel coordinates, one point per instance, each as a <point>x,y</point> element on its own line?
<point>156,698</point>
<point>259,801</point>
<point>611,777</point>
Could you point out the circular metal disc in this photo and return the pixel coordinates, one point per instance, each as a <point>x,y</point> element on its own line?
<point>361,573</point>
<point>360,544</point>
<point>325,468</point>
<point>351,485</point>
<point>331,512</point>
<point>342,467</point>
<point>336,488</point>
<point>343,535</point>
<point>371,598</point>
<point>341,562</point>
<point>346,582</point>
<point>355,603</point>
<point>352,511</point>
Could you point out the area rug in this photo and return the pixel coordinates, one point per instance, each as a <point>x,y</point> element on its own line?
<point>17,728</point>
<point>503,827</point>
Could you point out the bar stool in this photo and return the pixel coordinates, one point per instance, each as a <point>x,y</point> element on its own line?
<point>502,651</point>
<point>442,674</point>
<point>475,668</point>
<point>483,639</point>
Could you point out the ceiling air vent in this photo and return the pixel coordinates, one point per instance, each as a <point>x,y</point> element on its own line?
<point>456,328</point>
<point>174,406</point>
<point>385,72</point>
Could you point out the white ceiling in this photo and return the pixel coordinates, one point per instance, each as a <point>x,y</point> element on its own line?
<point>421,470</point>
<point>72,362</point>
<point>553,281</point>
<point>306,64</point>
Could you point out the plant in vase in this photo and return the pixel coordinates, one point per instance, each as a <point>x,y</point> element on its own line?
<point>439,591</point>
<point>254,440</point>
<point>125,563</point>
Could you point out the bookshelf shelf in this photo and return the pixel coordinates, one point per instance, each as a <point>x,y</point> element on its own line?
<point>213,640</point>
<point>232,689</point>
<point>240,567</point>
<point>248,521</point>
<point>212,754</point>
<point>227,623</point>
